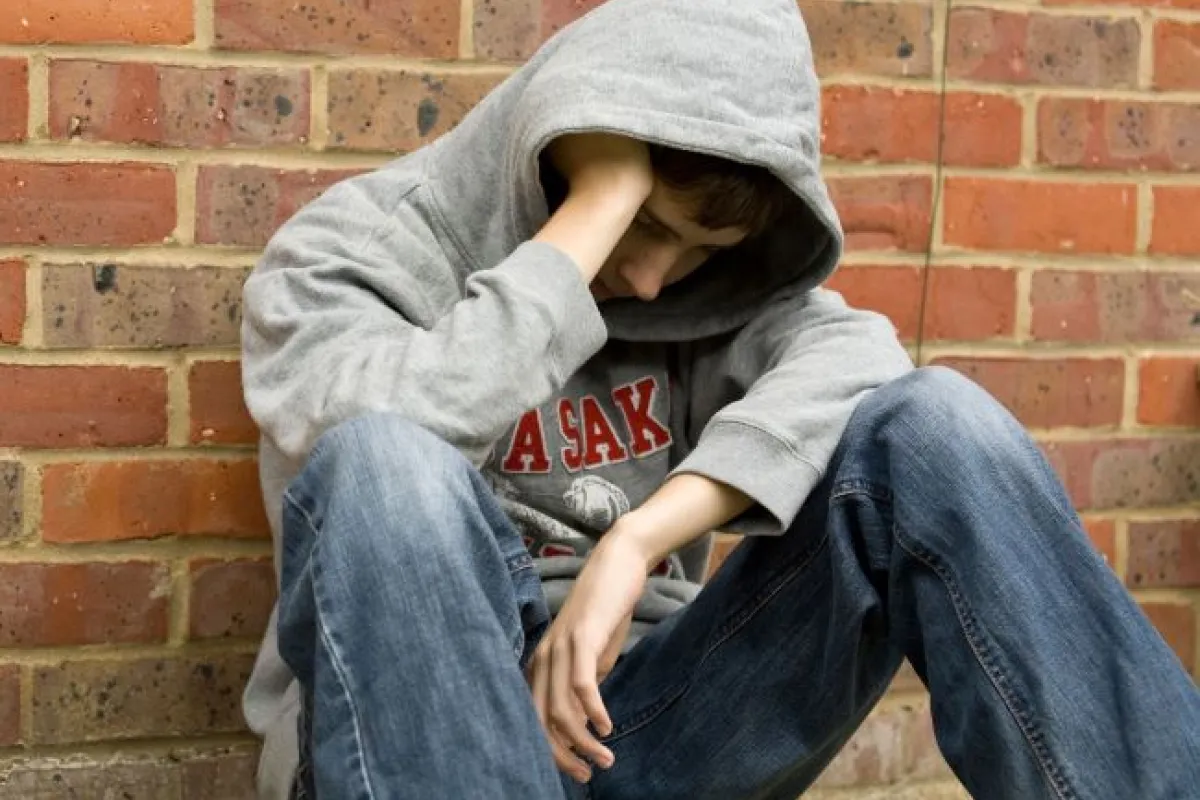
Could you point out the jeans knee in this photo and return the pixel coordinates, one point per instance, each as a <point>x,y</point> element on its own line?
<point>941,413</point>
<point>388,484</point>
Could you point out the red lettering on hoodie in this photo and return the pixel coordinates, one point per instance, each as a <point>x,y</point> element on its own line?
<point>527,448</point>
<point>646,434</point>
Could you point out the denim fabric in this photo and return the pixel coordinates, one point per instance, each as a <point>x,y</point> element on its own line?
<point>939,533</point>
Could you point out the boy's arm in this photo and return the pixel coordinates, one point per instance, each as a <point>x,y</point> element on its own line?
<point>791,380</point>
<point>329,331</point>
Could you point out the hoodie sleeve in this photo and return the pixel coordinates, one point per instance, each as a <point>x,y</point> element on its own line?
<point>354,308</point>
<point>772,403</point>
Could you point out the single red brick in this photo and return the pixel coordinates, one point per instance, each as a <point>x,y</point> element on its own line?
<point>892,291</point>
<point>179,106</point>
<point>1118,134</point>
<point>219,414</point>
<point>85,204</point>
<point>91,305</point>
<point>507,29</point>
<point>222,776</point>
<point>558,14</point>
<point>1164,554</point>
<point>10,705</point>
<point>1016,47</point>
<point>100,502</point>
<point>78,21</point>
<point>1114,308</point>
<point>399,28</point>
<point>1177,624</point>
<point>884,212</point>
<point>45,605</point>
<point>863,123</point>
<point>61,406</point>
<point>14,88</point>
<point>386,110</point>
<point>884,39</point>
<point>101,700</point>
<point>1177,54</point>
<point>1040,216</point>
<point>243,205</point>
<point>1103,533</point>
<point>12,301</point>
<point>1174,230</point>
<point>1049,393</point>
<point>972,303</point>
<point>231,599</point>
<point>1169,391</point>
<point>1127,473</point>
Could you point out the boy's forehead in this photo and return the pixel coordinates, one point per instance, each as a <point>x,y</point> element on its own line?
<point>676,212</point>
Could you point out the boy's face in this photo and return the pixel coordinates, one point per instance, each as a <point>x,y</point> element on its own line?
<point>662,246</point>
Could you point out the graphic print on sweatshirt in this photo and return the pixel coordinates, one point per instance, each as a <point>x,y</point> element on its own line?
<point>567,470</point>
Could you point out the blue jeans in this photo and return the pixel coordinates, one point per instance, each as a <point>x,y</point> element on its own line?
<point>939,534</point>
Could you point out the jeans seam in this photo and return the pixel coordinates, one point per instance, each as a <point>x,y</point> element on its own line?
<point>724,634</point>
<point>981,652</point>
<point>339,668</point>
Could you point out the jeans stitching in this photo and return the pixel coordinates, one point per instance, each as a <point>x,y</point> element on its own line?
<point>983,655</point>
<point>727,630</point>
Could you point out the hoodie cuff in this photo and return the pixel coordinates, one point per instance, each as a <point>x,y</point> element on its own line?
<point>758,464</point>
<point>557,286</point>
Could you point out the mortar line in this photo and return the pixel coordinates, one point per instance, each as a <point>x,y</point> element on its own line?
<point>204,22</point>
<point>1023,319</point>
<point>466,30</point>
<point>39,96</point>
<point>186,177</point>
<point>318,108</point>
<point>179,404</point>
<point>33,331</point>
<point>1145,218</point>
<point>178,623</point>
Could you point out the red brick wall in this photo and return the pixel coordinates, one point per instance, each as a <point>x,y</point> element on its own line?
<point>148,149</point>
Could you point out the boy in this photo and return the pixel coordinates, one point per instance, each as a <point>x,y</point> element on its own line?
<point>509,383</point>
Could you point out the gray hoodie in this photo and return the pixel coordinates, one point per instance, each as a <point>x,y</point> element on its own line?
<point>415,290</point>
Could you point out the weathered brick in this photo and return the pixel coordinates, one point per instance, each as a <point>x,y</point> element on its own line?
<point>219,414</point>
<point>85,204</point>
<point>1177,54</point>
<point>895,743</point>
<point>965,303</point>
<point>79,21</point>
<point>97,502</point>
<point>60,406</point>
<point>1128,473</point>
<point>558,14</point>
<point>1118,134</point>
<point>1169,391</point>
<point>107,305</point>
<point>181,774</point>
<point>1040,216</point>
<point>1114,308</point>
<point>1174,230</point>
<point>1103,533</point>
<point>14,88</point>
<point>1048,393</point>
<point>89,701</point>
<point>1014,47</point>
<point>12,301</point>
<point>885,39</point>
<point>231,599</point>
<point>12,504</point>
<point>159,104</point>
<point>1164,554</point>
<point>10,704</point>
<point>243,205</point>
<point>884,213</point>
<point>863,123</point>
<point>44,605</point>
<point>224,776</point>
<point>513,29</point>
<point>388,110</point>
<point>1177,624</point>
<point>400,28</point>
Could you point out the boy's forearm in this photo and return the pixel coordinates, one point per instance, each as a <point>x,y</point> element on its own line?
<point>684,508</point>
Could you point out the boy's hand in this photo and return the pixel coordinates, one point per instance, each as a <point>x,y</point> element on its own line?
<point>604,166</point>
<point>579,650</point>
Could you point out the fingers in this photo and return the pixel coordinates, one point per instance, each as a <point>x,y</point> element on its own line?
<point>559,747</point>
<point>587,692</point>
<point>572,679</point>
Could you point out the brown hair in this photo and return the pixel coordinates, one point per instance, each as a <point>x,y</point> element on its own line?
<point>724,193</point>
